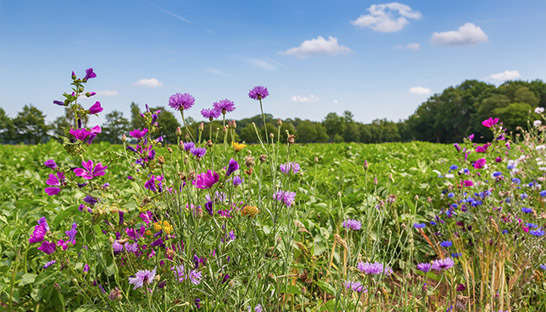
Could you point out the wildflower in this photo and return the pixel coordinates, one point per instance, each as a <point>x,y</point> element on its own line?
<point>80,134</point>
<point>115,294</point>
<point>424,267</point>
<point>490,122</point>
<point>543,266</point>
<point>285,196</point>
<point>195,277</point>
<point>467,183</point>
<point>543,193</point>
<point>531,225</point>
<point>165,226</point>
<point>131,247</point>
<point>210,113</point>
<point>539,110</point>
<point>232,167</point>
<point>188,146</point>
<point>446,244</point>
<point>224,106</point>
<point>352,224</point>
<point>50,163</point>
<point>138,134</point>
<point>88,74</point>
<point>461,287</point>
<point>181,101</point>
<point>86,268</point>
<point>151,184</point>
<point>237,181</point>
<point>89,171</point>
<point>60,103</point>
<point>373,268</point>
<point>355,286</point>
<point>47,247</point>
<point>456,254</point>
<point>72,234</point>
<point>526,210</point>
<point>238,146</point>
<point>38,234</point>
<point>206,180</point>
<point>419,225</point>
<point>537,233</point>
<point>457,147</point>
<point>482,149</point>
<point>537,123</point>
<point>90,200</point>
<point>143,276</point>
<point>50,263</point>
<point>453,167</point>
<point>55,182</point>
<point>290,167</point>
<point>480,163</point>
<point>258,308</point>
<point>198,152</point>
<point>96,108</point>
<point>442,264</point>
<point>258,93</point>
<point>196,301</point>
<point>250,211</point>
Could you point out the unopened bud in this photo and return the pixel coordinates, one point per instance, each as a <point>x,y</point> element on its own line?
<point>73,76</point>
<point>234,124</point>
<point>124,138</point>
<point>291,139</point>
<point>316,160</point>
<point>263,158</point>
<point>279,122</point>
<point>209,143</point>
<point>178,131</point>
<point>170,150</point>
<point>187,137</point>
<point>161,160</point>
<point>271,135</point>
<point>201,126</point>
<point>365,165</point>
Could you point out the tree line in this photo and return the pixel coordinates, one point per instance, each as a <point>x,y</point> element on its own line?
<point>445,117</point>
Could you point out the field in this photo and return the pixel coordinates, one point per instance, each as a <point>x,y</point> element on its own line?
<point>276,226</point>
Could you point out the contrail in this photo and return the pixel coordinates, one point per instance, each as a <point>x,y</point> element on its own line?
<point>171,13</point>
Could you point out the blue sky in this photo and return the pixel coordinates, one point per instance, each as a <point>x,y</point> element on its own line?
<point>376,59</point>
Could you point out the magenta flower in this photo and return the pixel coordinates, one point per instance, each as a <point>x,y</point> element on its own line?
<point>50,164</point>
<point>479,163</point>
<point>232,167</point>
<point>442,264</point>
<point>224,106</point>
<point>89,74</point>
<point>195,277</point>
<point>490,122</point>
<point>206,180</point>
<point>210,113</point>
<point>137,134</point>
<point>482,149</point>
<point>80,134</point>
<point>38,234</point>
<point>181,101</point>
<point>88,171</point>
<point>55,182</point>
<point>198,152</point>
<point>94,131</point>
<point>96,108</point>
<point>467,183</point>
<point>72,234</point>
<point>47,247</point>
<point>258,93</point>
<point>143,276</point>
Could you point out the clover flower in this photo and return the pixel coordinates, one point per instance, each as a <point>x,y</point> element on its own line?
<point>181,101</point>
<point>141,277</point>
<point>258,93</point>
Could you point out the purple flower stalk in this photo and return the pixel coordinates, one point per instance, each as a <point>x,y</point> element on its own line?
<point>352,224</point>
<point>72,234</point>
<point>442,264</point>
<point>206,180</point>
<point>285,196</point>
<point>224,106</point>
<point>373,268</point>
<point>47,247</point>
<point>232,167</point>
<point>89,172</point>
<point>96,108</point>
<point>290,167</point>
<point>143,276</point>
<point>138,134</point>
<point>210,113</point>
<point>50,163</point>
<point>50,263</point>
<point>258,93</point>
<point>181,101</point>
<point>89,74</point>
<point>80,134</point>
<point>198,152</point>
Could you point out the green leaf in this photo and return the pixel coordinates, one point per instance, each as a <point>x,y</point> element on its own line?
<point>326,287</point>
<point>28,278</point>
<point>290,289</point>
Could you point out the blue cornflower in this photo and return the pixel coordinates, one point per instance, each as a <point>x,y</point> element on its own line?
<point>504,231</point>
<point>453,167</point>
<point>432,223</point>
<point>531,225</point>
<point>523,196</point>
<point>456,254</point>
<point>419,225</point>
<point>526,210</point>
<point>543,266</point>
<point>450,195</point>
<point>516,180</point>
<point>543,193</point>
<point>446,244</point>
<point>537,233</point>
<point>497,173</point>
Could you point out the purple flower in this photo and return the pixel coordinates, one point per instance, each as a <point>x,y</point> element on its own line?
<point>60,103</point>
<point>179,272</point>
<point>80,134</point>
<point>72,234</point>
<point>195,277</point>
<point>196,301</point>
<point>43,222</point>
<point>198,152</point>
<point>89,172</point>
<point>237,181</point>
<point>543,266</point>
<point>373,268</point>
<point>224,106</point>
<point>158,242</point>
<point>50,263</point>
<point>355,286</point>
<point>147,217</point>
<point>96,108</point>
<point>138,134</point>
<point>425,267</point>
<point>446,244</point>
<point>47,247</point>
<point>150,184</point>
<point>90,200</point>
<point>290,167</point>
<point>258,93</point>
<point>188,146</point>
<point>258,308</point>
<point>206,180</point>
<point>117,247</point>
<point>50,164</point>
<point>54,181</point>
<point>419,225</point>
<point>38,234</point>
<point>89,74</point>
<point>537,233</point>
<point>86,268</point>
<point>442,264</point>
<point>232,167</point>
<point>131,247</point>
<point>142,276</point>
<point>285,196</point>
<point>352,224</point>
<point>121,213</point>
<point>208,207</point>
<point>210,113</point>
<point>181,101</point>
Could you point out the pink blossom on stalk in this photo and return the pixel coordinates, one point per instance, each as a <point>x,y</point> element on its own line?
<point>94,131</point>
<point>206,180</point>
<point>38,234</point>
<point>80,134</point>
<point>467,183</point>
<point>471,137</point>
<point>96,108</point>
<point>89,74</point>
<point>482,149</point>
<point>479,163</point>
<point>88,171</point>
<point>47,247</point>
<point>137,134</point>
<point>490,122</point>
<point>55,182</point>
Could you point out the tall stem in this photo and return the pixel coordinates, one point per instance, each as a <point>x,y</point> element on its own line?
<point>185,125</point>
<point>265,125</point>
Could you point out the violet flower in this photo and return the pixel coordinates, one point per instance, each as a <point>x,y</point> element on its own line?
<point>286,197</point>
<point>89,74</point>
<point>143,276</point>
<point>47,247</point>
<point>72,234</point>
<point>224,106</point>
<point>352,224</point>
<point>80,134</point>
<point>258,93</point>
<point>210,113</point>
<point>198,152</point>
<point>206,180</point>
<point>89,172</point>
<point>138,134</point>
<point>96,108</point>
<point>290,167</point>
<point>181,101</point>
<point>442,264</point>
<point>232,167</point>
<point>50,163</point>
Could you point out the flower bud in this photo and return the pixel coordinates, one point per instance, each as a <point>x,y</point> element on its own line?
<point>124,138</point>
<point>201,126</point>
<point>209,143</point>
<point>316,160</point>
<point>161,160</point>
<point>291,139</point>
<point>170,150</point>
<point>178,131</point>
<point>233,124</point>
<point>73,76</point>
<point>263,158</point>
<point>279,122</point>
<point>365,165</point>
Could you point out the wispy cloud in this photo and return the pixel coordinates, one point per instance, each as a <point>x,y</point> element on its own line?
<point>410,46</point>
<point>318,46</point>
<point>419,90</point>
<point>170,13</point>
<point>149,82</point>
<point>505,75</point>
<point>305,99</point>
<point>216,71</point>
<point>387,17</point>
<point>467,34</point>
<point>108,93</point>
<point>263,64</point>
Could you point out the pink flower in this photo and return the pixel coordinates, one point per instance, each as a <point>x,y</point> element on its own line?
<point>479,163</point>
<point>467,183</point>
<point>206,180</point>
<point>88,171</point>
<point>490,122</point>
<point>482,149</point>
<point>96,108</point>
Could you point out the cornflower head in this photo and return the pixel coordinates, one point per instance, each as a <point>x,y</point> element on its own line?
<point>355,286</point>
<point>442,264</point>
<point>373,268</point>
<point>206,180</point>
<point>141,277</point>
<point>424,267</point>
<point>224,106</point>
<point>286,197</point>
<point>181,101</point>
<point>210,113</point>
<point>290,167</point>
<point>352,224</point>
<point>258,93</point>
<point>198,152</point>
<point>89,171</point>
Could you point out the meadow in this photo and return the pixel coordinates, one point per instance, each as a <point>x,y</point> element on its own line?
<point>275,226</point>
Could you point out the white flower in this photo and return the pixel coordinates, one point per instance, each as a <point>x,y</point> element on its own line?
<point>537,123</point>
<point>540,163</point>
<point>539,110</point>
<point>542,168</point>
<point>540,147</point>
<point>449,175</point>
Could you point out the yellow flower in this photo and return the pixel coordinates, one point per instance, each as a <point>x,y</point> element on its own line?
<point>250,211</point>
<point>165,226</point>
<point>238,146</point>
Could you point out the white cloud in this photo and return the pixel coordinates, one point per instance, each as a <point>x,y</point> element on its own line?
<point>465,35</point>
<point>216,71</point>
<point>107,92</point>
<point>149,82</point>
<point>387,17</point>
<point>262,64</point>
<point>336,101</point>
<point>318,46</point>
<point>419,90</point>
<point>305,99</point>
<point>410,46</point>
<point>505,75</point>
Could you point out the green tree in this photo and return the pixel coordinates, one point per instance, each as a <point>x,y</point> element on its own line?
<point>137,122</point>
<point>335,126</point>
<point>61,127</point>
<point>31,126</point>
<point>114,127</point>
<point>514,115</point>
<point>7,128</point>
<point>167,124</point>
